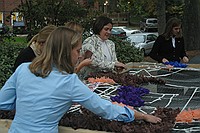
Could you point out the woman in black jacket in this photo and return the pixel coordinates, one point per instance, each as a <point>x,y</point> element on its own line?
<point>35,46</point>
<point>169,46</point>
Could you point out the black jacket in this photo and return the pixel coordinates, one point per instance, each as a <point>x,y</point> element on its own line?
<point>26,55</point>
<point>163,48</point>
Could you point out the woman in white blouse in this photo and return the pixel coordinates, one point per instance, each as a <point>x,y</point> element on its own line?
<point>100,49</point>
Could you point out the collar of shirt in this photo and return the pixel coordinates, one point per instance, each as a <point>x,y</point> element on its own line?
<point>100,39</point>
<point>173,42</point>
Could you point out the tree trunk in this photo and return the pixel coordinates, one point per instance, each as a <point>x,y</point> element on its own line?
<point>112,5</point>
<point>161,15</point>
<point>191,24</point>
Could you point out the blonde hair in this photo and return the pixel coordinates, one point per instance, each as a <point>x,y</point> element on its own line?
<point>74,26</point>
<point>41,38</point>
<point>56,52</point>
<point>33,40</point>
<point>44,33</point>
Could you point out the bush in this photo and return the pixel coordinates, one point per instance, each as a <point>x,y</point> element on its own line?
<point>126,52</point>
<point>8,53</point>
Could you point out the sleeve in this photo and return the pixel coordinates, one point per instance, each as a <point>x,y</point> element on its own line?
<point>107,110</point>
<point>99,106</point>
<point>183,53</point>
<point>26,55</point>
<point>154,54</point>
<point>8,94</point>
<point>97,55</point>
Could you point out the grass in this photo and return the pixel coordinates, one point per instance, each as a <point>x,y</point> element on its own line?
<point>16,39</point>
<point>20,39</point>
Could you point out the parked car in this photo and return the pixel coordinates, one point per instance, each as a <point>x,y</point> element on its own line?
<point>143,41</point>
<point>149,24</point>
<point>3,29</point>
<point>136,31</point>
<point>128,30</point>
<point>118,32</point>
<point>19,27</point>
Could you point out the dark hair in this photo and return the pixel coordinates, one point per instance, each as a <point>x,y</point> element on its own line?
<point>99,23</point>
<point>171,23</point>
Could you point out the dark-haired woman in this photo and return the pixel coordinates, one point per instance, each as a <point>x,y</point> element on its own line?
<point>100,49</point>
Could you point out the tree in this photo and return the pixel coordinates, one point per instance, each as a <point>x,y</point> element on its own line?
<point>57,12</point>
<point>191,24</point>
<point>143,8</point>
<point>39,13</point>
<point>174,8</point>
<point>161,15</point>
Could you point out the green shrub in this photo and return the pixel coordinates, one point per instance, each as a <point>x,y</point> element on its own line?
<point>8,53</point>
<point>126,52</point>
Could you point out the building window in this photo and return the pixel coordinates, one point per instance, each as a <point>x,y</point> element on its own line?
<point>16,16</point>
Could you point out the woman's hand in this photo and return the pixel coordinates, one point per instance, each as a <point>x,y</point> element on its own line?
<point>119,66</point>
<point>185,59</point>
<point>164,60</point>
<point>146,117</point>
<point>151,118</point>
<point>85,62</point>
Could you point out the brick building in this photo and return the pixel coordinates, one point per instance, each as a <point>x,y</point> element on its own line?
<point>6,8</point>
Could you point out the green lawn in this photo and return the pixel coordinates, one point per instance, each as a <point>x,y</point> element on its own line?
<point>16,39</point>
<point>20,39</point>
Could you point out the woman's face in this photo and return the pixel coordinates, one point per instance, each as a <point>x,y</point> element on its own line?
<point>75,54</point>
<point>40,46</point>
<point>105,32</point>
<point>176,30</point>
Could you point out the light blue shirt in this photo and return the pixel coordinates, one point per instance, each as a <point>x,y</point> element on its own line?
<point>41,102</point>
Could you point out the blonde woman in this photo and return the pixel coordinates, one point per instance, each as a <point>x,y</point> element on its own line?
<point>75,26</point>
<point>83,61</point>
<point>35,46</point>
<point>41,105</point>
